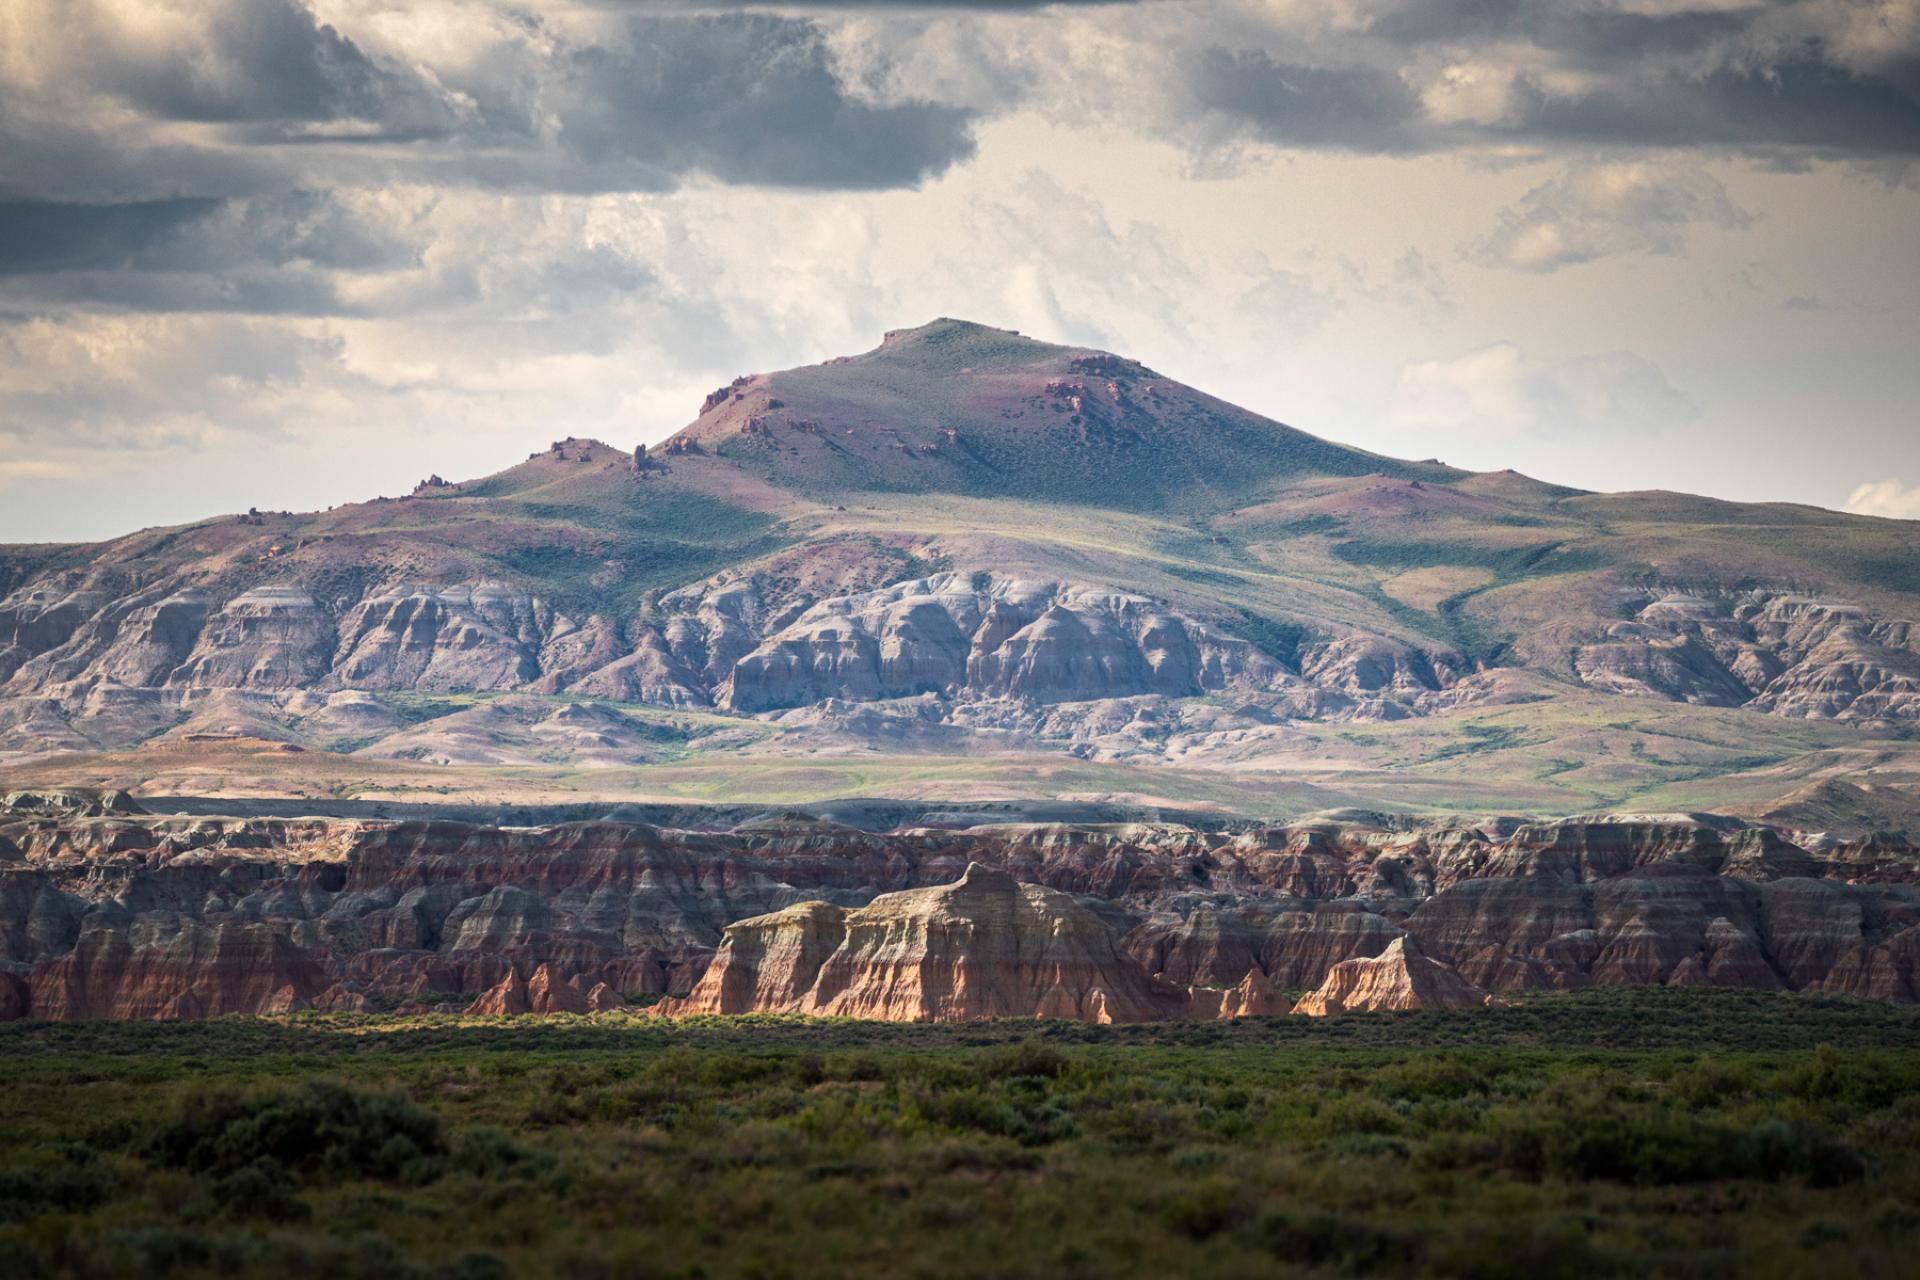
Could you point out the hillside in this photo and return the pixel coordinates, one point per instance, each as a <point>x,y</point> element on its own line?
<point>960,408</point>
<point>966,546</point>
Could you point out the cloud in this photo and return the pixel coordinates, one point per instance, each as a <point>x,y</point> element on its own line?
<point>232,62</point>
<point>15,470</point>
<point>52,236</point>
<point>150,383</point>
<point>1795,102</point>
<point>1597,211</point>
<point>1887,498</point>
<point>285,254</point>
<point>1818,78</point>
<point>119,104</point>
<point>1299,104</point>
<point>1499,389</point>
<point>751,99</point>
<point>911,5</point>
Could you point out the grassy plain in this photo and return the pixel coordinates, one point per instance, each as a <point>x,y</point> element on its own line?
<point>1575,751</point>
<point>1638,1132</point>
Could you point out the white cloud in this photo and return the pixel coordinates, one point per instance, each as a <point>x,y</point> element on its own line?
<point>14,470</point>
<point>1888,498</point>
<point>1599,211</point>
<point>1499,389</point>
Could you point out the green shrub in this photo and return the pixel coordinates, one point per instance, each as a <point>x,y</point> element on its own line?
<point>321,1129</point>
<point>1316,1238</point>
<point>27,1193</point>
<point>263,1189</point>
<point>1204,1209</point>
<point>1030,1059</point>
<point>1775,1151</point>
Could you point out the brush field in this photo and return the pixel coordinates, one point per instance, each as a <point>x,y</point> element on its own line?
<point>1621,1132</point>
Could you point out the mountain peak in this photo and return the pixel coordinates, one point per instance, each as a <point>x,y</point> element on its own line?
<point>945,325</point>
<point>947,329</point>
<point>955,406</point>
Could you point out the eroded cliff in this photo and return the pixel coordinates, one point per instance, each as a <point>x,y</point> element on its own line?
<point>106,912</point>
<point>985,946</point>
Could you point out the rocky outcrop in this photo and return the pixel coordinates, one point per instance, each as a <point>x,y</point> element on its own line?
<point>269,638</point>
<point>1788,654</point>
<point>484,636</point>
<point>1254,997</point>
<point>109,913</point>
<point>972,634</point>
<point>652,672</point>
<point>544,991</point>
<point>94,667</point>
<point>201,972</point>
<point>1399,978</point>
<point>985,946</point>
<point>68,803</point>
<point>16,997</point>
<point>95,660</point>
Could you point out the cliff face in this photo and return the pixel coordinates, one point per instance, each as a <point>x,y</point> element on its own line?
<point>985,946</point>
<point>200,972</point>
<point>1399,978</point>
<point>110,913</point>
<point>85,665</point>
<point>953,634</point>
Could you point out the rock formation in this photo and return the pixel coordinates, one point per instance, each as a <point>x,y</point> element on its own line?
<point>1254,997</point>
<point>201,972</point>
<point>985,946</point>
<point>110,913</point>
<point>544,991</point>
<point>1398,978</point>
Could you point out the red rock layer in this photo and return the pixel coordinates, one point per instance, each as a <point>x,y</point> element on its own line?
<point>200,972</point>
<point>985,946</point>
<point>1399,978</point>
<point>342,915</point>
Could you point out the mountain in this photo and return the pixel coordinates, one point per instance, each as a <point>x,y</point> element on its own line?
<point>974,564</point>
<point>960,408</point>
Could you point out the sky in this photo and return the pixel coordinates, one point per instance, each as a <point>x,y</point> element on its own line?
<point>290,253</point>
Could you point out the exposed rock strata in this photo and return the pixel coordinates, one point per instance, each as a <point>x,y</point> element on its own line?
<point>200,972</point>
<point>954,633</point>
<point>84,666</point>
<point>1399,978</point>
<point>544,991</point>
<point>119,914</point>
<point>1101,550</point>
<point>1790,654</point>
<point>985,946</point>
<point>91,660</point>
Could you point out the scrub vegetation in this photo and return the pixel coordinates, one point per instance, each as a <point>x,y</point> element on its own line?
<point>1635,1132</point>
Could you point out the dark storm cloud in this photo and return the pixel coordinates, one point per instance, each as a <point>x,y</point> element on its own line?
<point>267,62</point>
<point>1299,105</point>
<point>268,254</point>
<point>1594,33</point>
<point>54,236</point>
<point>1820,80</point>
<point>749,99</point>
<point>1801,103</point>
<point>282,100</point>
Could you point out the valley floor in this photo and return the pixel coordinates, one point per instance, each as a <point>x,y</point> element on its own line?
<point>1640,1131</point>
